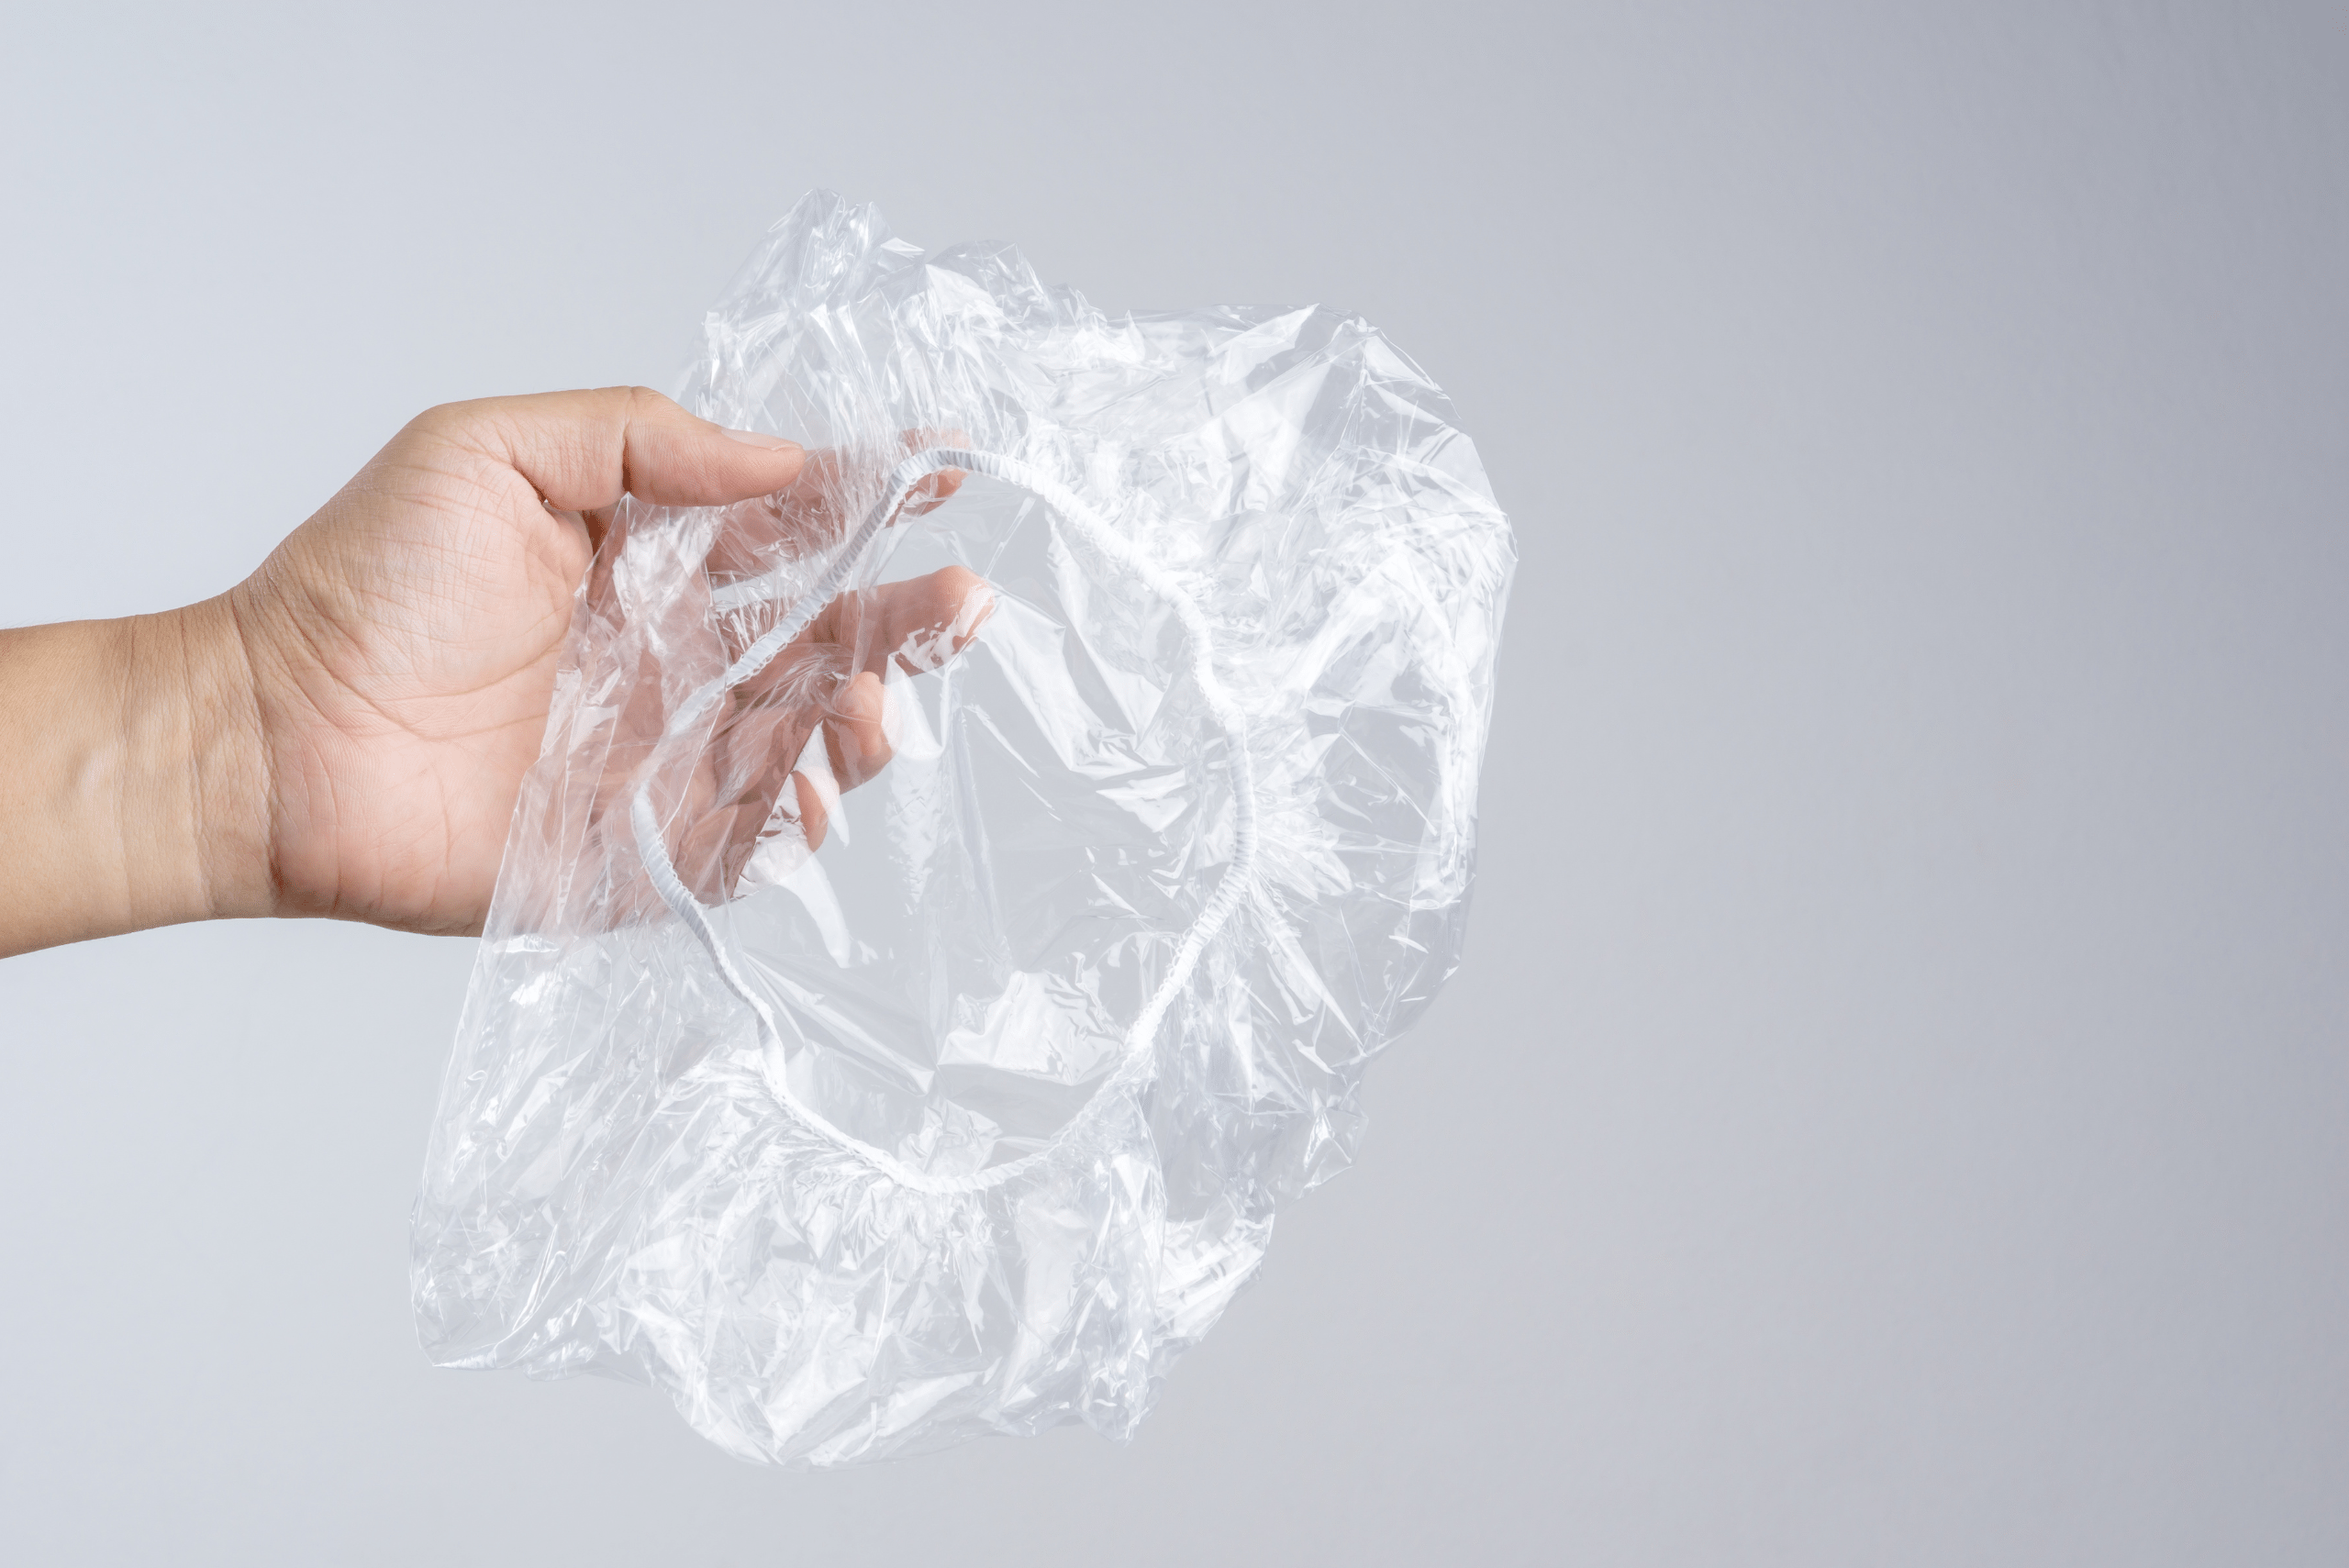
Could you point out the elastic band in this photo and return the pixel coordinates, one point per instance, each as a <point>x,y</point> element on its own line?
<point>1136,1062</point>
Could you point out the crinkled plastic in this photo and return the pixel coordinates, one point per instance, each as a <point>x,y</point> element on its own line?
<point>976,1115</point>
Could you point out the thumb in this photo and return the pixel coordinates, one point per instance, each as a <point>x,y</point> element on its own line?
<point>583,451</point>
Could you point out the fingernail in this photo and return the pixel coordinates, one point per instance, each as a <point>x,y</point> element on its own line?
<point>977,605</point>
<point>756,439</point>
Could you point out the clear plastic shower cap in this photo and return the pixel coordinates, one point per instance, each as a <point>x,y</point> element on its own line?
<point>863,1120</point>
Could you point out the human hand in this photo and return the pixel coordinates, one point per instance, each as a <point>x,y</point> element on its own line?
<point>345,732</point>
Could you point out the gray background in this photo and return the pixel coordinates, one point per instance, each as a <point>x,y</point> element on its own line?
<point>1892,1111</point>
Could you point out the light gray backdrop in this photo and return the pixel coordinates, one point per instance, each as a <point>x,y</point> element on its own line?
<point>1893,1108</point>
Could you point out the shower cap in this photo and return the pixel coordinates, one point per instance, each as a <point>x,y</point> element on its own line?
<point>865,1120</point>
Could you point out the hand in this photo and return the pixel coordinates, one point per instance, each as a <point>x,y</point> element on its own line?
<point>344,733</point>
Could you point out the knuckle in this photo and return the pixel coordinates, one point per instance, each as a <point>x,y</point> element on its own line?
<point>637,402</point>
<point>443,418</point>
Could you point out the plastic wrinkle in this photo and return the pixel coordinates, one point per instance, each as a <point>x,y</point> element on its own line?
<point>947,922</point>
<point>1135,1063</point>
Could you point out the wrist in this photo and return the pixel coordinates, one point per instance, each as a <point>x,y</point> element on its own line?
<point>197,744</point>
<point>131,770</point>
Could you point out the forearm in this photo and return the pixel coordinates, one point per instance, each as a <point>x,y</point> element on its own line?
<point>132,780</point>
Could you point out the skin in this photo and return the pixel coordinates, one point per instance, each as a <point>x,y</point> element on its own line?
<point>344,733</point>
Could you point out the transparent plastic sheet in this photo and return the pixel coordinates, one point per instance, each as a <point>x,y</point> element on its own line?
<point>970,1116</point>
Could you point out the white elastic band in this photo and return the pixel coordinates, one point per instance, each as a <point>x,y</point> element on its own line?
<point>1136,1062</point>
